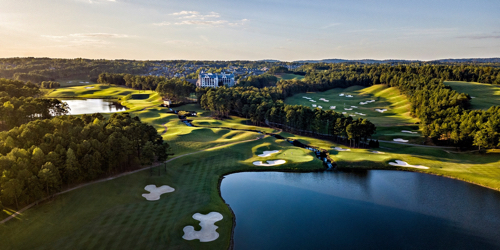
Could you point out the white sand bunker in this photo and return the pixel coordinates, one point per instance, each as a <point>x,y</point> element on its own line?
<point>410,132</point>
<point>268,153</point>
<point>320,107</point>
<point>377,152</point>
<point>341,95</point>
<point>314,105</point>
<point>269,163</point>
<point>155,192</point>
<point>472,97</point>
<point>347,108</point>
<point>354,107</point>
<point>312,100</point>
<point>208,228</point>
<point>359,113</point>
<point>381,110</point>
<point>349,96</point>
<point>344,113</point>
<point>333,107</point>
<point>89,87</point>
<point>341,149</point>
<point>363,103</point>
<point>352,115</point>
<point>399,163</point>
<point>400,140</point>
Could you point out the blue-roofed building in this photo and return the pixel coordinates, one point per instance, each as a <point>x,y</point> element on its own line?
<point>215,80</point>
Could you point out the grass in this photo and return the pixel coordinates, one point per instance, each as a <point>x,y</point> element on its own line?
<point>113,215</point>
<point>389,124</point>
<point>486,95</point>
<point>289,76</point>
<point>74,82</point>
<point>103,91</point>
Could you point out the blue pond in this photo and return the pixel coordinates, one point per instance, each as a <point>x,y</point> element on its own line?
<point>360,210</point>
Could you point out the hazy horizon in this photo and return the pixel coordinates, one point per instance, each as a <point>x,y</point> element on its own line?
<point>250,30</point>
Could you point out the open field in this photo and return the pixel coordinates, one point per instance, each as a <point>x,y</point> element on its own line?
<point>113,215</point>
<point>484,95</point>
<point>389,123</point>
<point>97,91</point>
<point>283,76</point>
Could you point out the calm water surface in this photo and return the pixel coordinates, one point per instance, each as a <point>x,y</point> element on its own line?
<point>90,106</point>
<point>361,210</point>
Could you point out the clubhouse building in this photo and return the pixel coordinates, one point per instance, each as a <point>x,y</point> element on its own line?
<point>215,80</point>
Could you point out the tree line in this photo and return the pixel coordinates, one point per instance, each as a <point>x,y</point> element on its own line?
<point>265,106</point>
<point>20,103</point>
<point>39,158</point>
<point>174,89</point>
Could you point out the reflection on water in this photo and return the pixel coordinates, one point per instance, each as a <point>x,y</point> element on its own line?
<point>90,106</point>
<point>367,209</point>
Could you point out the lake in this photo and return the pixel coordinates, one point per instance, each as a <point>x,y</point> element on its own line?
<point>373,209</point>
<point>91,106</point>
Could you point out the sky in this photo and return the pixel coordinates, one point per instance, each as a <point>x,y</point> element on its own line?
<point>250,29</point>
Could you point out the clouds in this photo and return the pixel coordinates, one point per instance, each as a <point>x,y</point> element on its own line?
<point>197,19</point>
<point>494,35</point>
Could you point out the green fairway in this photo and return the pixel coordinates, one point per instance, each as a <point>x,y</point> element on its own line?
<point>74,82</point>
<point>113,215</point>
<point>283,76</point>
<point>389,123</point>
<point>483,95</point>
<point>96,91</point>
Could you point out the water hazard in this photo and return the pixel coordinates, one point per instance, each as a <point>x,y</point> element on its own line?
<point>91,106</point>
<point>360,210</point>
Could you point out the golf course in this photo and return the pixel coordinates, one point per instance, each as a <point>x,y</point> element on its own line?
<point>113,214</point>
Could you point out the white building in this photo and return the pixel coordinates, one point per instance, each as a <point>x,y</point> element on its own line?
<point>215,80</point>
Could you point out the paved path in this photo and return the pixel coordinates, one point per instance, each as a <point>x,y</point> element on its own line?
<point>119,175</point>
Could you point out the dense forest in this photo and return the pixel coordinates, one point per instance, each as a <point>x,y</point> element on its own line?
<point>19,104</point>
<point>41,157</point>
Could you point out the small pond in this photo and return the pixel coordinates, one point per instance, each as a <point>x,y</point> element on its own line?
<point>360,210</point>
<point>90,106</point>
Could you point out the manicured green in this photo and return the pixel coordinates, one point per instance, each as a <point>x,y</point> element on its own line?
<point>75,82</point>
<point>483,95</point>
<point>289,76</point>
<point>389,124</point>
<point>113,215</point>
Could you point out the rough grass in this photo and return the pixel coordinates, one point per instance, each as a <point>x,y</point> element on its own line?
<point>486,95</point>
<point>113,215</point>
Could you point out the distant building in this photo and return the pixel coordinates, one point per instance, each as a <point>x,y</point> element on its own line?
<point>215,80</point>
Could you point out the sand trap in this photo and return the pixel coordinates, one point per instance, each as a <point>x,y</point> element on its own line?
<point>314,105</point>
<point>333,107</point>
<point>208,228</point>
<point>341,95</point>
<point>363,103</point>
<point>326,100</point>
<point>410,132</point>
<point>399,163</point>
<point>347,108</point>
<point>305,97</point>
<point>268,153</point>
<point>269,163</point>
<point>312,100</point>
<point>344,113</point>
<point>472,97</point>
<point>352,115</point>
<point>341,149</point>
<point>155,192</point>
<point>349,96</point>
<point>89,87</point>
<point>400,140</point>
<point>381,110</point>
<point>359,113</point>
<point>320,107</point>
<point>354,107</point>
<point>377,152</point>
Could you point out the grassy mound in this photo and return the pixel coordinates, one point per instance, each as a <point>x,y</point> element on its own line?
<point>288,76</point>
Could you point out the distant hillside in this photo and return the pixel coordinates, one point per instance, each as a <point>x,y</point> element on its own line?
<point>371,61</point>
